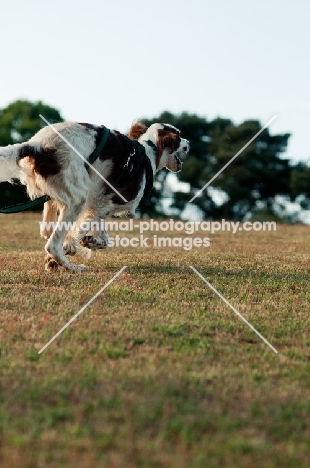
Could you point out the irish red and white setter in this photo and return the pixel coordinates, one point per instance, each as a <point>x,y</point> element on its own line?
<point>50,164</point>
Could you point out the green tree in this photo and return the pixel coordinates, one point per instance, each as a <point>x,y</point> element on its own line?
<point>19,121</point>
<point>300,189</point>
<point>253,180</point>
<point>299,184</point>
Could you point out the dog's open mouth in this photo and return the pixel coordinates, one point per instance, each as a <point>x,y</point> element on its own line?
<point>178,162</point>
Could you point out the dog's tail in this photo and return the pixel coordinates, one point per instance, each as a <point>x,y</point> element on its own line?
<point>38,159</point>
<point>27,159</point>
<point>8,163</point>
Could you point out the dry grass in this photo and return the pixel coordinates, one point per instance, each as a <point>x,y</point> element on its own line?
<point>158,371</point>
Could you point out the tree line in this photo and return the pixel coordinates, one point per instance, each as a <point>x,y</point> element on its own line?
<point>258,184</point>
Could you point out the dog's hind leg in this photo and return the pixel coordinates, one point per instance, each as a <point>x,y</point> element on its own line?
<point>54,246</point>
<point>49,219</point>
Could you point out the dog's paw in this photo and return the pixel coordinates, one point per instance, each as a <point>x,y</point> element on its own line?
<point>94,243</point>
<point>50,264</point>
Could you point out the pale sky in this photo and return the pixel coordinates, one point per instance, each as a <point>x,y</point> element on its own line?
<point>109,62</point>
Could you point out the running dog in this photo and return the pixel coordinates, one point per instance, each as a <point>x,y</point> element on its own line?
<point>54,162</point>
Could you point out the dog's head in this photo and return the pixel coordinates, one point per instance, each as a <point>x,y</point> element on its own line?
<point>168,143</point>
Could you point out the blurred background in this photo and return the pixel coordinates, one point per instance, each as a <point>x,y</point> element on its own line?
<point>219,71</point>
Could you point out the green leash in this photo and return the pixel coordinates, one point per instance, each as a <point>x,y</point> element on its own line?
<point>24,206</point>
<point>39,201</point>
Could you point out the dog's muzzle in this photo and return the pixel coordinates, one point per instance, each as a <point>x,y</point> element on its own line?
<point>184,146</point>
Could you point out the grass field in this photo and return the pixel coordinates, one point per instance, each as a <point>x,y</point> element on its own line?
<point>158,371</point>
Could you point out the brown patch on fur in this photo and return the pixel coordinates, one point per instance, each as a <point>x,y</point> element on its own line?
<point>43,160</point>
<point>167,139</point>
<point>136,130</point>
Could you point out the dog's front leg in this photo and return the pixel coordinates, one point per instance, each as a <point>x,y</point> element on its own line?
<point>96,242</point>
<point>81,243</point>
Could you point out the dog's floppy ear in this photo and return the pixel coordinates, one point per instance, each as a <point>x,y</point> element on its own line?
<point>136,130</point>
<point>167,140</point>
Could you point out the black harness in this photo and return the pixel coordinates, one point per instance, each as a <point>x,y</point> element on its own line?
<point>137,157</point>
